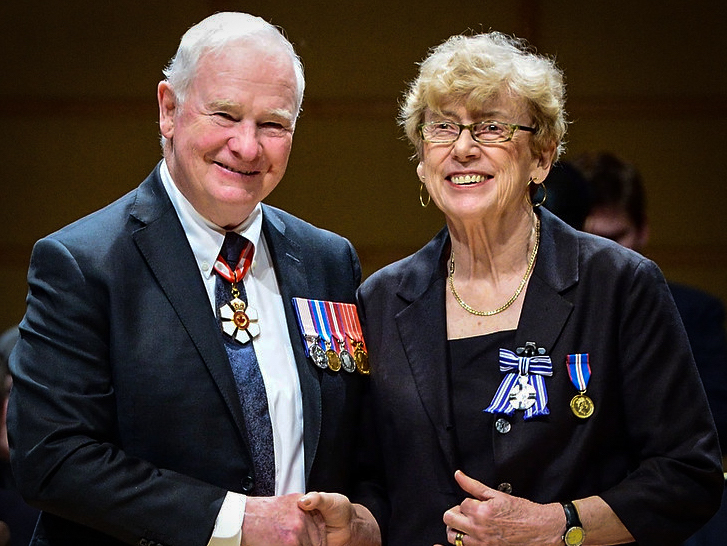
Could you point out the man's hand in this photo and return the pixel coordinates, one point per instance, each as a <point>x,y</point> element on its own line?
<point>279,521</point>
<point>343,523</point>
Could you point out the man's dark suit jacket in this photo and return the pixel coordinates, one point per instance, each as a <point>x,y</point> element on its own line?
<point>649,450</point>
<point>124,416</point>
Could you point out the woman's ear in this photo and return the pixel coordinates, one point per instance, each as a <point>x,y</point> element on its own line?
<point>420,171</point>
<point>544,162</point>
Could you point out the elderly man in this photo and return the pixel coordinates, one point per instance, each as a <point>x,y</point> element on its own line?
<point>163,392</point>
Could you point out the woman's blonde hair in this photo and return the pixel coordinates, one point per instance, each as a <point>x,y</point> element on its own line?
<point>474,69</point>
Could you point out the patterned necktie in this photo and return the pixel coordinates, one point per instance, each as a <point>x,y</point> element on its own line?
<point>250,386</point>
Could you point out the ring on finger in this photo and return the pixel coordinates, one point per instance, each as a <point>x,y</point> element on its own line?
<point>458,538</point>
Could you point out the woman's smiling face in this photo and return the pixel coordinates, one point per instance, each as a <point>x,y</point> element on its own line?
<point>470,180</point>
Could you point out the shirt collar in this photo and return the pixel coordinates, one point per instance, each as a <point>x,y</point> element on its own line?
<point>206,238</point>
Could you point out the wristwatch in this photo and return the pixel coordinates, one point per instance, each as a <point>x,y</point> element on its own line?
<point>574,534</point>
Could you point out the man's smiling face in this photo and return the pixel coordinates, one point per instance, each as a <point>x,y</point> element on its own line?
<point>228,144</point>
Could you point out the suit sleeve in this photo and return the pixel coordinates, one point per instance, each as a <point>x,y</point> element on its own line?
<point>676,481</point>
<point>63,417</point>
<point>703,316</point>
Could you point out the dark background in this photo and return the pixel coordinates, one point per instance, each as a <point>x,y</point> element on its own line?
<point>79,116</point>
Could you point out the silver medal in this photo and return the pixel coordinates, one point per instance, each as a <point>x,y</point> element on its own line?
<point>347,361</point>
<point>319,356</point>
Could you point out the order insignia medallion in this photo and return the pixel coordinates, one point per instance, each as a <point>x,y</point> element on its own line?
<point>522,395</point>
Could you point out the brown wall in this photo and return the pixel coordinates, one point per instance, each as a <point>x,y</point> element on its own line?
<point>79,117</point>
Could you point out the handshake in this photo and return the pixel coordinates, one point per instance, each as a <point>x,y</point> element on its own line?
<point>314,519</point>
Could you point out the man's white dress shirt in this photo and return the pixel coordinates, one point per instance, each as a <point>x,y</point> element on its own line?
<point>272,347</point>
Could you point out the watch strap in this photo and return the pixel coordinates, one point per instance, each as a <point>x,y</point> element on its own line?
<point>571,515</point>
<point>574,534</point>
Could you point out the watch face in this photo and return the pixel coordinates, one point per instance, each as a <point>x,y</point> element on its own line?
<point>574,536</point>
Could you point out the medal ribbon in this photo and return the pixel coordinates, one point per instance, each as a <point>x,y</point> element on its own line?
<point>324,319</point>
<point>305,322</point>
<point>318,311</point>
<point>579,370</point>
<point>341,320</point>
<point>352,324</point>
<point>243,264</point>
<point>534,368</point>
<point>335,324</point>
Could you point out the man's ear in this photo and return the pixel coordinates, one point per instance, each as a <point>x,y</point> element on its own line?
<point>167,108</point>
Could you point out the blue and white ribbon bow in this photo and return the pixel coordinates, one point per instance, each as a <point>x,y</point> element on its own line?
<point>534,368</point>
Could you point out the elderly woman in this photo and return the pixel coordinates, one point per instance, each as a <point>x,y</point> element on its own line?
<point>530,384</point>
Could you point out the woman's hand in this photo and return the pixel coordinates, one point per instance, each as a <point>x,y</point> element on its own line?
<point>492,518</point>
<point>342,523</point>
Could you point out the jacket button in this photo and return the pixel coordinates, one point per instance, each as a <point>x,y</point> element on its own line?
<point>503,426</point>
<point>505,487</point>
<point>247,484</point>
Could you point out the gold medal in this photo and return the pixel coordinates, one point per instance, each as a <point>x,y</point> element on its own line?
<point>362,359</point>
<point>582,406</point>
<point>334,362</point>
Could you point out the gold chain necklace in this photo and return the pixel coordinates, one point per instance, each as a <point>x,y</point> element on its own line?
<point>509,302</point>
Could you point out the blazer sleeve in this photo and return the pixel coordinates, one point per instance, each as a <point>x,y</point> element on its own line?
<point>704,320</point>
<point>63,424</point>
<point>668,423</point>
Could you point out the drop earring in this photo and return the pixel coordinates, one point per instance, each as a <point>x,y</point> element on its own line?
<point>422,191</point>
<point>545,193</point>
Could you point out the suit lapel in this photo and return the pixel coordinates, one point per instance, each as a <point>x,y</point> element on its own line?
<point>545,311</point>
<point>288,262</point>
<point>423,331</point>
<point>426,351</point>
<point>543,316</point>
<point>163,244</point>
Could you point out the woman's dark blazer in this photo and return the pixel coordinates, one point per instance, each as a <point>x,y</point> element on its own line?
<point>125,422</point>
<point>650,449</point>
